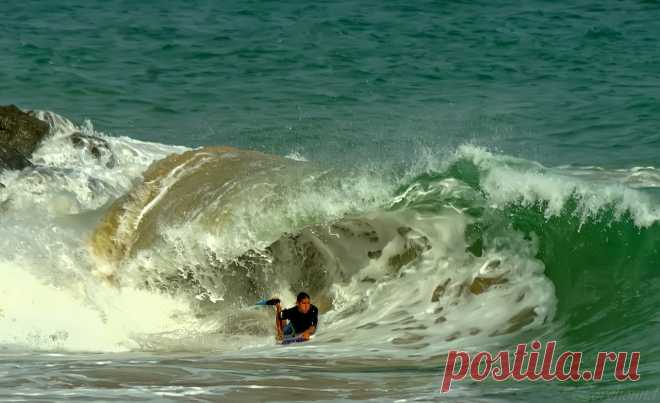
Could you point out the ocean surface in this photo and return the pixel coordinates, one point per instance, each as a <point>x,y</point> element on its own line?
<point>437,175</point>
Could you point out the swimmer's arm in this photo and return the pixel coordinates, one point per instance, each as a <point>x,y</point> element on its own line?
<point>279,322</point>
<point>310,331</point>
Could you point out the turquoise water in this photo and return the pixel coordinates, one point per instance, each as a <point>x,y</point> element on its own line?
<point>555,82</point>
<point>522,134</point>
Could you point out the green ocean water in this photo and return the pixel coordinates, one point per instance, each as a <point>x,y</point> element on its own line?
<point>538,120</point>
<point>558,82</point>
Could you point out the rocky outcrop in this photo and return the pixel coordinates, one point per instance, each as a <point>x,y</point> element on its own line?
<point>517,322</point>
<point>96,146</point>
<point>11,159</point>
<point>212,180</point>
<point>482,284</point>
<point>20,134</point>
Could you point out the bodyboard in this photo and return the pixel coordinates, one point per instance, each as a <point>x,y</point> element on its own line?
<point>292,340</point>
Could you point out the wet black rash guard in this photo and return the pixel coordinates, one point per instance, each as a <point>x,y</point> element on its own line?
<point>301,321</point>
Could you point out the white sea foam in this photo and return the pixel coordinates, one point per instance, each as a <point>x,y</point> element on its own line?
<point>296,156</point>
<point>36,314</point>
<point>52,297</point>
<point>507,180</point>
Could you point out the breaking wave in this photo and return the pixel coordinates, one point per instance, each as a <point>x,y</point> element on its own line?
<point>156,247</point>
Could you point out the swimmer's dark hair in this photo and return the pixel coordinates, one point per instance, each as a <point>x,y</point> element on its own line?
<point>302,296</point>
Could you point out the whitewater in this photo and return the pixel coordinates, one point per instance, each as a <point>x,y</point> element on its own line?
<point>135,274</point>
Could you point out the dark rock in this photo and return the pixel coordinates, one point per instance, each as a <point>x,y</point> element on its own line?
<point>398,315</point>
<point>20,134</point>
<point>11,159</point>
<point>369,325</point>
<point>396,262</point>
<point>374,254</point>
<point>408,339</point>
<point>343,228</point>
<point>413,249</point>
<point>482,284</point>
<point>415,245</point>
<point>517,322</point>
<point>372,236</point>
<point>2,186</point>
<point>96,146</point>
<point>439,291</point>
<point>453,336</point>
<point>416,327</point>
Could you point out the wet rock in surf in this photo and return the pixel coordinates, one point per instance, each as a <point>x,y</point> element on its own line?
<point>414,327</point>
<point>356,229</point>
<point>481,284</point>
<point>453,336</point>
<point>374,254</point>
<point>96,146</point>
<point>12,160</point>
<point>206,189</point>
<point>244,276</point>
<point>517,322</point>
<point>317,257</point>
<point>405,257</point>
<point>202,186</point>
<point>57,125</point>
<point>439,291</point>
<point>415,245</point>
<point>20,135</point>
<point>312,259</point>
<point>488,276</point>
<point>408,338</point>
<point>323,254</point>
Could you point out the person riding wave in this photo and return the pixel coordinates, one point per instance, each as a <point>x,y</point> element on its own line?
<point>302,318</point>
